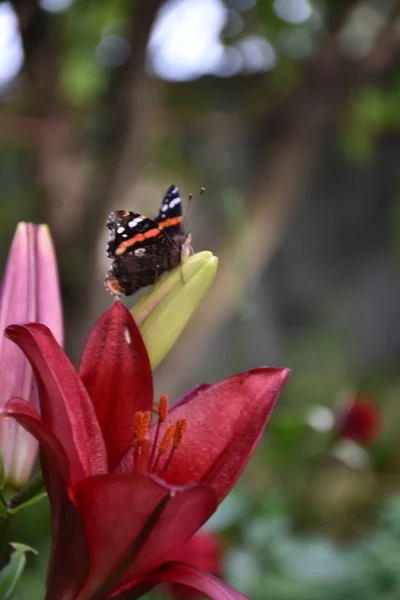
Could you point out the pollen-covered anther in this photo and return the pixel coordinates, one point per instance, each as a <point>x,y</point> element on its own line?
<point>141,424</point>
<point>163,408</point>
<point>137,422</point>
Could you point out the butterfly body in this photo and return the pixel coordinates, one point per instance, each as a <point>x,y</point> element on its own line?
<point>142,249</point>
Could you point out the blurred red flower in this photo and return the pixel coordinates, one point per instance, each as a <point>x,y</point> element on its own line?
<point>125,494</point>
<point>359,420</point>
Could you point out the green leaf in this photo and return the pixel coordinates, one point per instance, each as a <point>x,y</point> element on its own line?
<point>11,574</point>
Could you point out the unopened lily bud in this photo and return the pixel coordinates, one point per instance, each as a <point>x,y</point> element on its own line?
<point>29,292</point>
<point>163,314</point>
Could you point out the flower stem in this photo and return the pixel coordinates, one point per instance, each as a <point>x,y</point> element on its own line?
<point>29,494</point>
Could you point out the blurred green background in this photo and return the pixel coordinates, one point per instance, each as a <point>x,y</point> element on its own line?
<point>287,112</point>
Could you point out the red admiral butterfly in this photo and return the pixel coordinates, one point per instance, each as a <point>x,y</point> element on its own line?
<point>142,249</point>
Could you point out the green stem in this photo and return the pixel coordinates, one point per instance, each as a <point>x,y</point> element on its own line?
<point>32,489</point>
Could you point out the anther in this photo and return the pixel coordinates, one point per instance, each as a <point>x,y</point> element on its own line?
<point>141,424</point>
<point>137,422</point>
<point>163,408</point>
<point>144,426</point>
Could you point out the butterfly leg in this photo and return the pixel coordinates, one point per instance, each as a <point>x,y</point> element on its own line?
<point>186,251</point>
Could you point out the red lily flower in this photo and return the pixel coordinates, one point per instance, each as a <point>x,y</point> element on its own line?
<point>123,493</point>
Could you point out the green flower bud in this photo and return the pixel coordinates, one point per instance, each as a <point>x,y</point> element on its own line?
<point>163,314</point>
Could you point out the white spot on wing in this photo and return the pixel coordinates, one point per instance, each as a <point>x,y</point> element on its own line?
<point>140,252</point>
<point>174,202</point>
<point>134,222</point>
<point>121,229</point>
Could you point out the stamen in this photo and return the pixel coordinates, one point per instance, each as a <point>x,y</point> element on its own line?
<point>163,408</point>
<point>143,426</point>
<point>142,456</point>
<point>145,453</point>
<point>162,411</point>
<point>180,430</point>
<point>168,437</point>
<point>164,445</point>
<point>137,423</point>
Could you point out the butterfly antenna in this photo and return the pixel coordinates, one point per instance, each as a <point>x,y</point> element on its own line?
<point>189,204</point>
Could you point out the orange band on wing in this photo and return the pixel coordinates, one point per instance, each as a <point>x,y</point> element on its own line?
<point>170,222</point>
<point>140,237</point>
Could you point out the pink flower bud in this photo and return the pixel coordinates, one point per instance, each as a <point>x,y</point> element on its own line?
<point>29,292</point>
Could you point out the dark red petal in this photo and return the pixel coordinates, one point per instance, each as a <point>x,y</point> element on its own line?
<point>68,569</point>
<point>187,575</point>
<point>29,418</point>
<point>117,510</point>
<point>116,371</point>
<point>114,509</point>
<point>69,560</point>
<point>225,422</point>
<point>65,404</point>
<point>186,512</point>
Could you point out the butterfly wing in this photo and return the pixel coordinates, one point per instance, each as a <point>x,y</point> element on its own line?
<point>130,230</point>
<point>169,217</point>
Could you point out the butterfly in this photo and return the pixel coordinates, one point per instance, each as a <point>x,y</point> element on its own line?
<point>142,249</point>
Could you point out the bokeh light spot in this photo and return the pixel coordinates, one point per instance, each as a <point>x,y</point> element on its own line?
<point>11,50</point>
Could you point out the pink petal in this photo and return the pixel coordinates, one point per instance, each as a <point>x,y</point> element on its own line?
<point>118,512</point>
<point>185,574</point>
<point>65,404</point>
<point>18,302</point>
<point>116,372</point>
<point>225,422</point>
<point>43,304</point>
<point>49,308</point>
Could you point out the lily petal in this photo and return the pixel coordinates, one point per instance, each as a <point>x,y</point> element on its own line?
<point>49,308</point>
<point>29,418</point>
<point>68,571</point>
<point>225,422</point>
<point>102,500</point>
<point>187,511</point>
<point>117,375</point>
<point>185,574</point>
<point>17,303</point>
<point>65,404</point>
